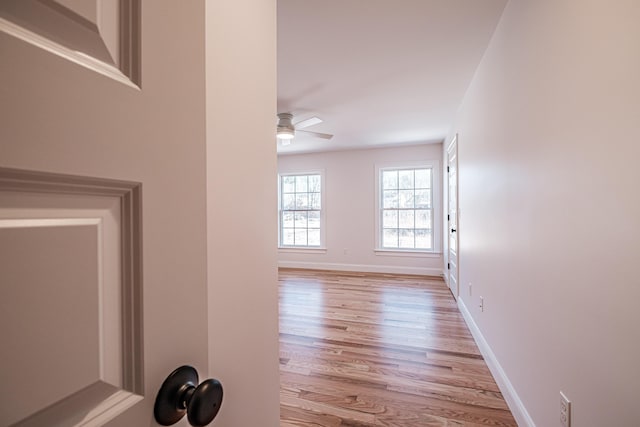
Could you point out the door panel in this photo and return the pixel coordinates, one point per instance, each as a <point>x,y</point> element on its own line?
<point>103,36</point>
<point>28,287</point>
<point>70,308</point>
<point>452,210</point>
<point>125,147</point>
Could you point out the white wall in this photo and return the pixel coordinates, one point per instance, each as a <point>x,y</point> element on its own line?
<point>550,207</point>
<point>350,210</point>
<point>241,209</point>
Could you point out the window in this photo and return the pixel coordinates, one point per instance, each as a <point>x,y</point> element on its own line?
<point>300,206</point>
<point>406,214</point>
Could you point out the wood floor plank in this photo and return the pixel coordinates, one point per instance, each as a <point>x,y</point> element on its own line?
<point>366,350</point>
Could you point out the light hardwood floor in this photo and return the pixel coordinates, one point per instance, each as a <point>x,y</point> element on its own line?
<point>379,350</point>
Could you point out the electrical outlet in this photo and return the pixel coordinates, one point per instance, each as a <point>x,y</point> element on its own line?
<point>481,304</point>
<point>565,411</point>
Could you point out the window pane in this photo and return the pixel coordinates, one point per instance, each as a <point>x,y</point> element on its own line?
<point>288,184</point>
<point>405,199</point>
<point>314,200</point>
<point>406,239</point>
<point>406,215</point>
<point>314,219</point>
<point>389,180</point>
<point>390,219</point>
<point>288,201</point>
<point>302,201</point>
<point>406,219</point>
<point>423,218</point>
<point>301,184</point>
<point>301,220</point>
<point>423,178</point>
<point>390,239</point>
<point>314,238</point>
<point>287,219</point>
<point>423,198</point>
<point>405,179</point>
<point>314,183</point>
<point>287,236</point>
<point>300,210</point>
<point>301,237</point>
<point>390,199</point>
<point>423,239</point>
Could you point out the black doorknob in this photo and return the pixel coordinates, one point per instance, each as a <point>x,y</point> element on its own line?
<point>180,394</point>
<point>453,230</point>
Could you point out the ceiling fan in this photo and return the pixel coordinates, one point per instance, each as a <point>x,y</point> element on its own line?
<point>287,129</point>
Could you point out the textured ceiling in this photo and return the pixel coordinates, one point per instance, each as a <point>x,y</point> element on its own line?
<point>378,72</point>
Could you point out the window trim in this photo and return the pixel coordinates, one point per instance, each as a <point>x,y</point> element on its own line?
<point>436,202</point>
<point>298,248</point>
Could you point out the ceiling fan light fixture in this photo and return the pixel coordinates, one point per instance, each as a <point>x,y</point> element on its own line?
<point>285,127</point>
<point>285,132</point>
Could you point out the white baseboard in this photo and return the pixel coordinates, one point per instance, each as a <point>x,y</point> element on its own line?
<point>506,388</point>
<point>422,271</point>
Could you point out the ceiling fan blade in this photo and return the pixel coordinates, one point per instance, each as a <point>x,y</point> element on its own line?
<point>306,123</point>
<point>318,134</point>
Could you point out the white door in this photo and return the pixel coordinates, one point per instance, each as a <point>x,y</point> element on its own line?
<point>102,208</point>
<point>452,216</point>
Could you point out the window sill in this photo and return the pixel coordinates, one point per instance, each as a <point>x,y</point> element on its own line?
<point>290,249</point>
<point>405,253</point>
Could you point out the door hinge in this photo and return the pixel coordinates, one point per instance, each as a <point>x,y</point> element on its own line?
<point>447,168</point>
<point>448,217</point>
<point>448,266</point>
